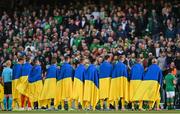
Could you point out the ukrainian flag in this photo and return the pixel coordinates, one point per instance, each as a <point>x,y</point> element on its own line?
<point>59,86</point>
<point>22,86</point>
<point>150,86</point>
<point>105,72</point>
<point>35,83</point>
<point>1,93</point>
<point>78,83</point>
<point>91,87</point>
<point>49,87</point>
<point>67,83</point>
<point>136,76</point>
<point>17,72</point>
<point>119,83</point>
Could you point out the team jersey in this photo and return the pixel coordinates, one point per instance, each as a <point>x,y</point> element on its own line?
<point>169,78</point>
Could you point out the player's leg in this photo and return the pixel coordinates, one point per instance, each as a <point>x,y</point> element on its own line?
<point>70,104</point>
<point>107,104</point>
<point>10,102</point>
<point>172,94</point>
<point>5,102</point>
<point>168,99</point>
<point>62,105</point>
<point>22,101</point>
<point>76,104</point>
<point>158,105</point>
<point>123,104</point>
<point>116,104</point>
<point>28,103</point>
<point>132,105</point>
<point>101,103</point>
<point>140,105</point>
<point>150,103</point>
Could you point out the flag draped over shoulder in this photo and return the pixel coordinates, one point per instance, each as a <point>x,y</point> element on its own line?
<point>49,87</point>
<point>59,85</point>
<point>119,82</point>
<point>149,87</point>
<point>22,86</point>
<point>1,93</point>
<point>136,76</point>
<point>91,87</point>
<point>17,72</point>
<point>35,83</point>
<point>78,83</point>
<point>105,72</point>
<point>67,83</point>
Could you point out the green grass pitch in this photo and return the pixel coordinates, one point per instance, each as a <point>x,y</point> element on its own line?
<point>93,112</point>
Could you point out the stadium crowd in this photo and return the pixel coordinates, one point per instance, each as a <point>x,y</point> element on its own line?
<point>137,30</point>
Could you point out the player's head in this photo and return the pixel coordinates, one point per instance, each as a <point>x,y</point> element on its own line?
<point>28,59</point>
<point>170,70</point>
<point>53,60</point>
<point>122,58</point>
<point>8,63</point>
<point>92,60</point>
<point>20,60</point>
<point>107,58</point>
<point>67,59</point>
<point>139,60</point>
<point>154,61</point>
<point>36,62</point>
<point>82,61</point>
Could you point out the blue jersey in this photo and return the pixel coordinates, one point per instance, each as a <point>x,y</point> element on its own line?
<point>7,74</point>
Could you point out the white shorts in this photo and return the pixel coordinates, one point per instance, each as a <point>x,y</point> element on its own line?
<point>170,94</point>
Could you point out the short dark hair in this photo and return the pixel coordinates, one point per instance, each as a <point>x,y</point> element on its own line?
<point>81,60</point>
<point>91,59</point>
<point>66,58</point>
<point>106,57</point>
<point>28,59</point>
<point>20,59</point>
<point>53,60</point>
<point>170,70</point>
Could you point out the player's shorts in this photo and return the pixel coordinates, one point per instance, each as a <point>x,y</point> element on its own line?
<point>8,88</point>
<point>170,94</point>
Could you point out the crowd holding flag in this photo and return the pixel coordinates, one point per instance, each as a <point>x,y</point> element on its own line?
<point>105,72</point>
<point>35,84</point>
<point>136,75</point>
<point>85,85</point>
<point>149,89</point>
<point>15,80</point>
<point>23,83</point>
<point>78,84</point>
<point>59,85</point>
<point>119,80</point>
<point>91,86</point>
<point>67,82</point>
<point>49,87</point>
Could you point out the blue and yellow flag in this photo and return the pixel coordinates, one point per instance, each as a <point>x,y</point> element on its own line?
<point>91,87</point>
<point>17,72</point>
<point>22,86</point>
<point>49,87</point>
<point>105,71</point>
<point>67,83</point>
<point>59,85</point>
<point>78,83</point>
<point>149,87</point>
<point>1,93</point>
<point>136,76</point>
<point>119,83</point>
<point>35,83</point>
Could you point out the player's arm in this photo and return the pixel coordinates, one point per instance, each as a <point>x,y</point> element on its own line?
<point>174,81</point>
